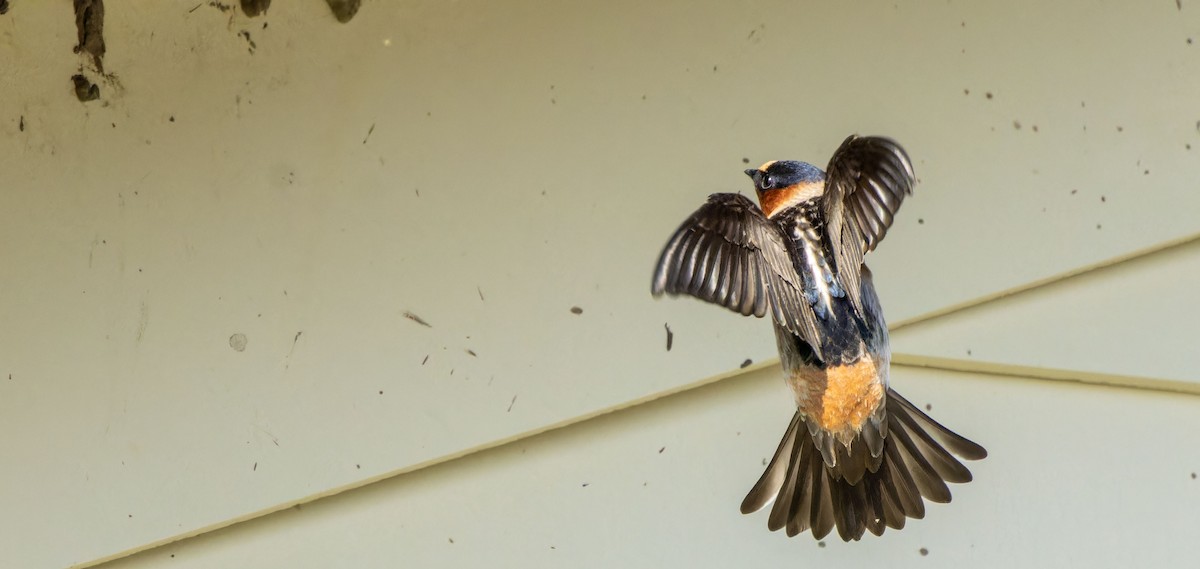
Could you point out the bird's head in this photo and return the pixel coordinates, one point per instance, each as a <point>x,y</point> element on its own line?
<point>781,184</point>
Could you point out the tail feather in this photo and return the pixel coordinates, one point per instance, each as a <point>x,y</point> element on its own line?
<point>947,467</point>
<point>897,478</point>
<point>799,511</point>
<point>876,519</point>
<point>771,481</point>
<point>781,511</point>
<point>893,513</point>
<point>956,443</point>
<point>871,487</point>
<point>932,487</point>
<point>822,511</point>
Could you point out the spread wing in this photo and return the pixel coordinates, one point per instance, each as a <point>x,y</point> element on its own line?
<point>865,182</point>
<point>729,253</point>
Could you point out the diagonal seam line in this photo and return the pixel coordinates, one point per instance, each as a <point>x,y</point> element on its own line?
<point>1073,273</point>
<point>1047,374</point>
<point>425,464</point>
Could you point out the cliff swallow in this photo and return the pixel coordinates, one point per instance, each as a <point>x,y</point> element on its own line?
<point>856,455</point>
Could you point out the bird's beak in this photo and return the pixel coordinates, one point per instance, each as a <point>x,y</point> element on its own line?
<point>755,175</point>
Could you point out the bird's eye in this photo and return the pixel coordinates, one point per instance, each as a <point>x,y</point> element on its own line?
<point>768,182</point>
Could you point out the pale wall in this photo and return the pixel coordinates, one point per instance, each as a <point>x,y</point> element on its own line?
<point>488,166</point>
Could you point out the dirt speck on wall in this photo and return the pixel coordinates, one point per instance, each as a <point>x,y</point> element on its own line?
<point>85,90</point>
<point>89,24</point>
<point>344,10</point>
<point>253,8</point>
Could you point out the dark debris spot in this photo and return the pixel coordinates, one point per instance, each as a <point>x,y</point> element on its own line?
<point>746,363</point>
<point>21,123</point>
<point>988,95</point>
<point>1145,172</point>
<point>245,34</point>
<point>85,90</point>
<point>89,28</point>
<point>510,404</point>
<point>369,131</point>
<point>1074,191</point>
<point>660,451</point>
<point>255,469</point>
<point>451,539</point>
<point>417,319</point>
<point>1103,199</point>
<point>821,544</point>
<point>576,310</point>
<point>966,91</point>
<point>171,118</point>
<point>670,336</point>
<point>344,10</point>
<point>920,221</point>
<point>381,392</point>
<point>1120,128</point>
<point>221,6</point>
<point>968,352</point>
<point>1035,128</point>
<point>253,8</point>
<point>1193,476</point>
<point>929,407</point>
<point>745,160</point>
<point>471,353</point>
<point>923,552</point>
<point>585,484</point>
<point>1017,124</point>
<point>480,291</point>
<point>425,360</point>
<point>1098,226</point>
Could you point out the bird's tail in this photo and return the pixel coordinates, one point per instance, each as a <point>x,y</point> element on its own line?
<point>916,464</point>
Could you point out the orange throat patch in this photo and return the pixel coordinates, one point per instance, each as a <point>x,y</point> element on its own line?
<point>839,398</point>
<point>774,201</point>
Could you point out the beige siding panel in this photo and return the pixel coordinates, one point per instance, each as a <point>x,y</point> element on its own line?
<point>1078,476</point>
<point>1133,322</point>
<point>301,186</point>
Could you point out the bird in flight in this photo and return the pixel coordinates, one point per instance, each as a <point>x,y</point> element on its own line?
<point>857,456</point>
